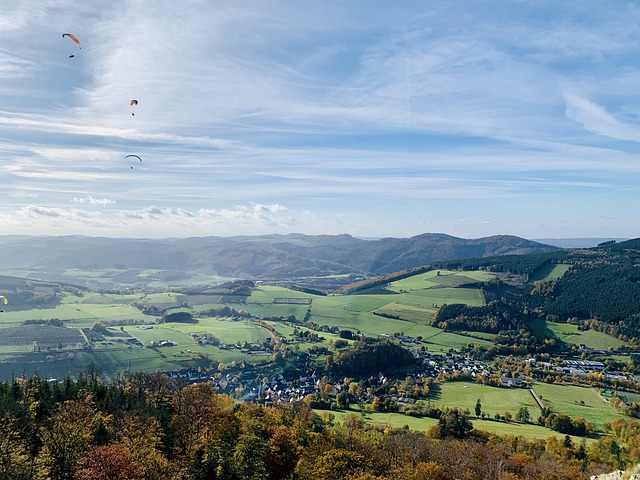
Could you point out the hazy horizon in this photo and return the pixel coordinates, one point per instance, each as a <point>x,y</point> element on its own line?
<point>567,242</point>
<point>374,119</point>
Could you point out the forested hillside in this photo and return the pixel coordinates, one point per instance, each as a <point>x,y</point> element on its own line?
<point>149,427</point>
<point>600,289</point>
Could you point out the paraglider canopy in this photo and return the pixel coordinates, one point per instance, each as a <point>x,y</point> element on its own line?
<point>133,156</point>
<point>4,299</point>
<point>73,38</point>
<point>133,102</point>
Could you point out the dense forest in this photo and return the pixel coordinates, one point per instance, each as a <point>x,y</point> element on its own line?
<point>144,426</point>
<point>600,290</point>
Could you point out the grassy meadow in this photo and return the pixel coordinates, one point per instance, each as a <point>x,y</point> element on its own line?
<point>577,402</point>
<point>551,271</point>
<point>570,334</point>
<point>530,431</point>
<point>492,399</point>
<point>405,307</point>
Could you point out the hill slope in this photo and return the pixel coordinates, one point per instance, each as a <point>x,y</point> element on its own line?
<point>270,256</point>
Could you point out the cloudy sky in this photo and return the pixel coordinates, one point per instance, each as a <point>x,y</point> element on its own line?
<point>367,117</point>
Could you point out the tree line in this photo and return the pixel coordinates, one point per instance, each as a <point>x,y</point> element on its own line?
<point>145,426</point>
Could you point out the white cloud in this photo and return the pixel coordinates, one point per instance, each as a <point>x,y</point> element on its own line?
<point>89,199</point>
<point>596,119</point>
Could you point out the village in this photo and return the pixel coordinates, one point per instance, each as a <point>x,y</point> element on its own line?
<point>253,383</point>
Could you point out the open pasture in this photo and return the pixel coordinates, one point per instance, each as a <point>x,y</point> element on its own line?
<point>530,431</point>
<point>113,361</point>
<point>493,399</point>
<point>266,294</point>
<point>570,334</point>
<point>596,340</point>
<point>64,312</point>
<point>439,296</point>
<point>274,309</point>
<point>439,278</point>
<point>22,338</point>
<point>551,271</point>
<point>414,305</point>
<point>228,331</point>
<point>577,402</point>
<point>399,420</point>
<point>153,278</point>
<point>405,311</point>
<point>59,366</point>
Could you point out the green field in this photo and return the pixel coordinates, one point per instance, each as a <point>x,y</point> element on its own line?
<point>493,399</point>
<point>577,402</point>
<point>399,420</point>
<point>145,278</point>
<point>43,337</point>
<point>439,279</point>
<point>560,398</point>
<point>412,300</point>
<point>551,271</point>
<point>570,334</point>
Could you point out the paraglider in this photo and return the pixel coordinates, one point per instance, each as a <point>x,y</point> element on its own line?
<point>133,156</point>
<point>4,299</point>
<point>73,38</point>
<point>131,104</point>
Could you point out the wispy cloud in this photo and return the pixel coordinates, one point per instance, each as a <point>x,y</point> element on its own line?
<point>89,199</point>
<point>261,116</point>
<point>598,120</point>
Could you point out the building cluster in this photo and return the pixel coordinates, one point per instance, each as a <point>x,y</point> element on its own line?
<point>581,368</point>
<point>248,383</point>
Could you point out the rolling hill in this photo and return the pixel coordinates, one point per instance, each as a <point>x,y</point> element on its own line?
<point>266,256</point>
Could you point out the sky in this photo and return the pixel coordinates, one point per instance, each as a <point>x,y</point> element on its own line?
<point>364,117</point>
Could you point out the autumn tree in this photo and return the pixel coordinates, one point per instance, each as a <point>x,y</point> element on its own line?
<point>523,415</point>
<point>452,423</point>
<point>65,436</point>
<point>110,462</point>
<point>139,433</point>
<point>429,471</point>
<point>14,454</point>
<point>283,452</point>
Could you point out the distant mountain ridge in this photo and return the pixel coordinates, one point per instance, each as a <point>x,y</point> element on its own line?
<point>582,242</point>
<point>260,256</point>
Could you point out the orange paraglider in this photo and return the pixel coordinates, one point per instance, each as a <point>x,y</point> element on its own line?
<point>131,104</point>
<point>73,38</point>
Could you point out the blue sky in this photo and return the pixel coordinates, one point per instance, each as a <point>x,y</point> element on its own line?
<point>372,118</point>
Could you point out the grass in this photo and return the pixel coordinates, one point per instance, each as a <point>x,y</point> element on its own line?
<point>399,420</point>
<point>228,331</point>
<point>411,299</point>
<point>577,402</point>
<point>493,399</point>
<point>21,339</point>
<point>570,334</point>
<point>551,271</point>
